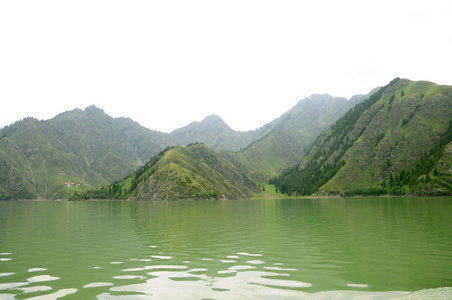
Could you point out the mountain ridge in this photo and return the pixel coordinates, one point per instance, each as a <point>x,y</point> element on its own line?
<point>89,149</point>
<point>93,149</point>
<point>384,136</point>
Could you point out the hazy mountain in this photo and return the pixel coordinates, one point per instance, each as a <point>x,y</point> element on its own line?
<point>283,142</point>
<point>213,132</point>
<point>303,122</point>
<point>395,142</point>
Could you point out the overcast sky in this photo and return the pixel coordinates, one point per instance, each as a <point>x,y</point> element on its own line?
<point>167,63</point>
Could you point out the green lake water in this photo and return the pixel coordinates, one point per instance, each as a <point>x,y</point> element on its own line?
<point>360,248</point>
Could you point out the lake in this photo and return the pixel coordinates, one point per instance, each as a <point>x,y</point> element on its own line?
<point>357,248</point>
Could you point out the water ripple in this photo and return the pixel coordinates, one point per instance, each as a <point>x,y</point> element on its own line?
<point>249,254</point>
<point>58,294</point>
<point>197,251</point>
<point>36,270</point>
<point>34,289</point>
<point>41,278</point>
<point>97,284</point>
<point>161,256</point>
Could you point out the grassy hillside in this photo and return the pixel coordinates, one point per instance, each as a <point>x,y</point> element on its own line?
<point>266,157</point>
<point>383,136</point>
<point>194,172</point>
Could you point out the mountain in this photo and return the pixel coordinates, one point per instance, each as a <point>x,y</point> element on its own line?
<point>393,140</point>
<point>283,142</point>
<point>213,132</point>
<point>198,172</point>
<point>310,116</point>
<point>397,142</point>
<point>194,172</point>
<point>86,148</point>
<point>101,139</point>
<point>89,149</point>
<point>301,124</point>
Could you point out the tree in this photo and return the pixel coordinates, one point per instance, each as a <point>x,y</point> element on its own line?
<point>392,98</point>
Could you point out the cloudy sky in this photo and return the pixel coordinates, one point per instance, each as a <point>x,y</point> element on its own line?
<point>167,63</point>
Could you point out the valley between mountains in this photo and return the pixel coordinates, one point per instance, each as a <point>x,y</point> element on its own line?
<point>395,140</point>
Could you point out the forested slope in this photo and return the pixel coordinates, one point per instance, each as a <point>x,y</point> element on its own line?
<point>401,127</point>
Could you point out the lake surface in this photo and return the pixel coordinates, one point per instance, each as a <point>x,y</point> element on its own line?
<point>367,248</point>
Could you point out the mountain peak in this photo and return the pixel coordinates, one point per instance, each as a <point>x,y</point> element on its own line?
<point>93,108</point>
<point>208,122</point>
<point>213,119</point>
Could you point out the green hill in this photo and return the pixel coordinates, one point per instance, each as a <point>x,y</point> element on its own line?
<point>399,128</point>
<point>194,172</point>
